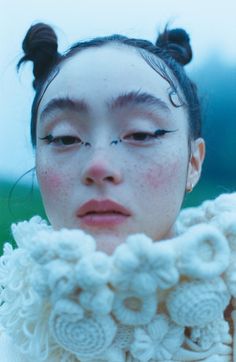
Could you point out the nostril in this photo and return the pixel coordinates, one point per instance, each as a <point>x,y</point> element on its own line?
<point>88,181</point>
<point>109,178</point>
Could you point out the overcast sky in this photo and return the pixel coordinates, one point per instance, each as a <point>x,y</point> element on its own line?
<point>210,23</point>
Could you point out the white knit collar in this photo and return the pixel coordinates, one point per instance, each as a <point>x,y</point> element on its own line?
<point>61,300</point>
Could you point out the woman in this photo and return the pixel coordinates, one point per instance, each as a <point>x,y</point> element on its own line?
<point>116,126</point>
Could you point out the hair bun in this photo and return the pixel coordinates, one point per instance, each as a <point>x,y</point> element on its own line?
<point>40,46</point>
<point>177,44</point>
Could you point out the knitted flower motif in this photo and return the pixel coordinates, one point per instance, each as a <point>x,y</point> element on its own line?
<point>22,312</point>
<point>117,352</point>
<point>133,309</point>
<point>86,336</point>
<point>226,223</point>
<point>189,217</point>
<point>197,303</point>
<point>15,268</point>
<point>223,203</point>
<point>98,301</point>
<point>214,332</point>
<point>93,271</point>
<point>203,252</point>
<point>142,266</point>
<point>69,245</point>
<point>23,231</point>
<point>55,279</point>
<point>158,341</point>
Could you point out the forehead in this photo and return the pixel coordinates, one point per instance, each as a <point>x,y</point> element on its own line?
<point>98,74</point>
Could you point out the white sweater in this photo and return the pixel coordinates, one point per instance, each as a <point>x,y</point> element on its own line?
<point>63,301</point>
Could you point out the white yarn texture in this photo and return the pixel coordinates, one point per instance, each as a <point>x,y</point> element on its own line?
<point>61,300</point>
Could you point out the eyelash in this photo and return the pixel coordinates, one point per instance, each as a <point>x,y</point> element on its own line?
<point>59,140</point>
<point>158,133</point>
<point>71,140</point>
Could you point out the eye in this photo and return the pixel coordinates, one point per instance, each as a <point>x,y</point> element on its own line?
<point>62,140</point>
<point>145,136</point>
<point>139,136</point>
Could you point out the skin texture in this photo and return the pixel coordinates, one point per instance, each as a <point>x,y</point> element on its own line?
<point>148,177</point>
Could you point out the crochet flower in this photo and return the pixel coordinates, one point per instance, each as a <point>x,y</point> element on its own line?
<point>93,271</point>
<point>203,252</point>
<point>142,266</point>
<point>55,279</point>
<point>86,336</point>
<point>61,300</point>
<point>214,332</point>
<point>133,309</point>
<point>98,301</point>
<point>159,340</point>
<point>226,223</point>
<point>189,217</point>
<point>197,303</point>
<point>223,203</point>
<point>117,352</point>
<point>24,230</point>
<point>22,312</point>
<point>69,245</point>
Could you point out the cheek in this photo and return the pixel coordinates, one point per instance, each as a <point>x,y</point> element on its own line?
<point>164,175</point>
<point>52,176</point>
<point>51,181</point>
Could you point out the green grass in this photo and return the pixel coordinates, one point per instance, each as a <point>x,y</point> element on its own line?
<point>17,204</point>
<point>24,202</point>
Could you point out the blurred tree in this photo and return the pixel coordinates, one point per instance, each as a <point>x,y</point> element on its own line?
<point>217,87</point>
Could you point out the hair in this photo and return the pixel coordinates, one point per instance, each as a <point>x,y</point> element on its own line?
<point>167,57</point>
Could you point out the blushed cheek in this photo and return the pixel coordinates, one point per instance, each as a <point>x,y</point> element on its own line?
<point>51,181</point>
<point>163,175</point>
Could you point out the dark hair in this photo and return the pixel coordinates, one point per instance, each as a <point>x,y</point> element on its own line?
<point>167,56</point>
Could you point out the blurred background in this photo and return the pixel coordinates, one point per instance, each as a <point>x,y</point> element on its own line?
<point>212,28</point>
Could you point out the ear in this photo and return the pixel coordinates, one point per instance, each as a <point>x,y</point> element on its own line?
<point>195,163</point>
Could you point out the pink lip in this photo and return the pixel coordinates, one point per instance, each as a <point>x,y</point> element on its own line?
<point>102,213</point>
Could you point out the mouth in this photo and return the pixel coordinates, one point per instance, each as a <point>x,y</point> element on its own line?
<point>102,213</point>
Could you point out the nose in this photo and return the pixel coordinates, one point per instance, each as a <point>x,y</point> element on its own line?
<point>100,169</point>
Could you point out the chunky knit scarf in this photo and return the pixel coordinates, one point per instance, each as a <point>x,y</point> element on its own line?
<point>63,301</point>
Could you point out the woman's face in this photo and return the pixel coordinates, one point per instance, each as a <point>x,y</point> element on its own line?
<point>112,152</point>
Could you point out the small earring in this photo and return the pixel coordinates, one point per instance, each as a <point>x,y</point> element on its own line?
<point>189,188</point>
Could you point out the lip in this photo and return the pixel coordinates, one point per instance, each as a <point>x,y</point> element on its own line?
<point>102,213</point>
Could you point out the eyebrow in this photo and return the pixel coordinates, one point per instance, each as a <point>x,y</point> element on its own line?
<point>138,98</point>
<point>67,104</point>
<point>130,99</point>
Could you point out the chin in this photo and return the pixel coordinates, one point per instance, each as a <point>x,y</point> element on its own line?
<point>108,243</point>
